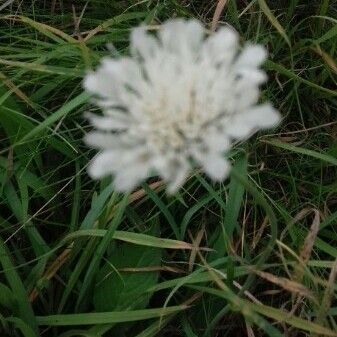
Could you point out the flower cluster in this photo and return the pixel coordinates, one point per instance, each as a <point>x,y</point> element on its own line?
<point>178,102</point>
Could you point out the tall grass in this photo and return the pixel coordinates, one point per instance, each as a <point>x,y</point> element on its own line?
<point>255,256</point>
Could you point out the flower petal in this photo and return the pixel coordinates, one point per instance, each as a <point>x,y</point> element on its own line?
<point>221,47</point>
<point>143,44</point>
<point>102,140</point>
<point>259,117</point>
<point>103,164</point>
<point>128,178</point>
<point>112,122</point>
<point>182,37</point>
<point>251,56</point>
<point>177,177</point>
<point>215,166</point>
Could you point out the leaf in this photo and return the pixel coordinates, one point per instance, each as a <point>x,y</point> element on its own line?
<point>269,65</point>
<point>328,35</point>
<point>232,210</point>
<point>153,329</point>
<point>116,289</point>
<point>301,150</point>
<point>107,317</point>
<point>131,237</point>
<point>264,7</point>
<point>100,250</point>
<point>54,117</point>
<point>15,127</point>
<point>6,297</point>
<point>247,309</point>
<point>163,208</point>
<point>97,207</point>
<point>24,309</point>
<point>22,326</point>
<point>54,70</point>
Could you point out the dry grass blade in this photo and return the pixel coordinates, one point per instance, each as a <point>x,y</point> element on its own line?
<point>328,296</point>
<point>260,231</point>
<point>6,4</point>
<point>307,247</point>
<point>250,332</point>
<point>286,284</point>
<point>328,60</point>
<point>265,9</point>
<point>52,270</point>
<point>196,244</point>
<point>41,27</point>
<point>18,92</point>
<point>217,13</point>
<point>137,195</point>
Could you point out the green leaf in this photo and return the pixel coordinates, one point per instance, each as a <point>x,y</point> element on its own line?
<point>232,210</point>
<point>25,329</point>
<point>163,208</point>
<point>270,65</point>
<point>54,117</point>
<point>100,250</point>
<point>264,7</point>
<point>24,308</point>
<point>107,317</point>
<point>6,297</point>
<point>250,309</point>
<point>331,33</point>
<point>321,156</point>
<point>116,289</point>
<point>131,237</point>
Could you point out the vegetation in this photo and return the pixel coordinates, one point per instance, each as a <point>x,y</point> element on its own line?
<point>255,256</point>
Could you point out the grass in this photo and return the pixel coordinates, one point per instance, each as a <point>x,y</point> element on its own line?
<point>254,256</point>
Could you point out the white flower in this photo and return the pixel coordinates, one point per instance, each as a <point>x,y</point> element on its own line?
<point>179,101</point>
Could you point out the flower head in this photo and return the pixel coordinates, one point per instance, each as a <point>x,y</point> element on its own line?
<point>177,102</point>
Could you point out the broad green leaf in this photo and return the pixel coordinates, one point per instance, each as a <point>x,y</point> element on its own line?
<point>101,248</point>
<point>116,289</point>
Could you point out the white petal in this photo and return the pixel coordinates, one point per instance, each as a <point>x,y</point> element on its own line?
<point>215,166</point>
<point>259,117</point>
<point>252,56</point>
<point>178,178</point>
<point>217,141</point>
<point>100,83</point>
<point>128,178</point>
<point>262,116</point>
<point>143,43</point>
<point>182,37</point>
<point>112,122</point>
<point>103,164</point>
<point>221,46</point>
<point>252,76</point>
<point>247,96</point>
<point>102,140</point>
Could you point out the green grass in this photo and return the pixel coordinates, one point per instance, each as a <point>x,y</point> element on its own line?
<point>78,259</point>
